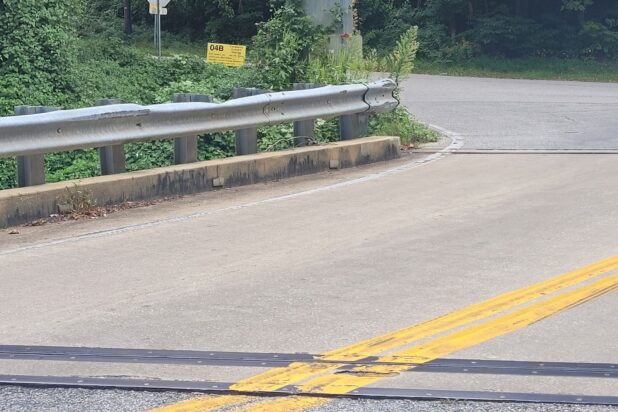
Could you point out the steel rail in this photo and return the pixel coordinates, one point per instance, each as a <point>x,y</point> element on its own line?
<point>361,393</point>
<point>252,359</point>
<point>125,123</point>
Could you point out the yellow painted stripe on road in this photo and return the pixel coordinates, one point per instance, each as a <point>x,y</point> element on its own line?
<point>338,384</point>
<point>279,377</point>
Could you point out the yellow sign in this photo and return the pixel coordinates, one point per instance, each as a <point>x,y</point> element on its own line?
<point>227,54</point>
<point>152,8</point>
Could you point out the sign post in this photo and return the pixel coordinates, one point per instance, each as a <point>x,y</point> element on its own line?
<point>157,8</point>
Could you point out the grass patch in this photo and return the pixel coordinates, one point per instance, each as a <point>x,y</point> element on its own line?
<point>400,123</point>
<point>529,68</point>
<point>171,45</point>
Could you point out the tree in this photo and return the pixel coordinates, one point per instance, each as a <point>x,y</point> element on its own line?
<point>454,29</point>
<point>37,49</point>
<point>128,18</point>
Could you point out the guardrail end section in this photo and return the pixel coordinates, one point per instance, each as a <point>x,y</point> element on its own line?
<point>380,96</point>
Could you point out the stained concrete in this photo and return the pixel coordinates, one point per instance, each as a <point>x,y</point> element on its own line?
<point>25,204</point>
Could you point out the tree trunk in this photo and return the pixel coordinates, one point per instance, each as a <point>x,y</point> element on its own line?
<point>470,10</point>
<point>522,8</point>
<point>128,20</point>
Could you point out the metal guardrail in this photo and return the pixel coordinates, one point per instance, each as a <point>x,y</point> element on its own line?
<point>125,123</point>
<point>117,124</point>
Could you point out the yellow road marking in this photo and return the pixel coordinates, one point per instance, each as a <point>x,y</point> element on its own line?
<point>279,377</point>
<point>338,384</point>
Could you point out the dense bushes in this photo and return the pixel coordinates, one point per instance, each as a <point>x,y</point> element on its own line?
<point>458,29</point>
<point>230,21</point>
<point>281,48</point>
<point>37,51</point>
<point>449,29</point>
<point>108,67</point>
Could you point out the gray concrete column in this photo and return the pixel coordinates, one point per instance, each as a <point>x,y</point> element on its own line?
<point>246,139</point>
<point>112,157</point>
<point>304,129</point>
<point>31,168</point>
<point>185,148</point>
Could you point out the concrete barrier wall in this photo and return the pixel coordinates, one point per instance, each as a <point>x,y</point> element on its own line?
<point>22,205</point>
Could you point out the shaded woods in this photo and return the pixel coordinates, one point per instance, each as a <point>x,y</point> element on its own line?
<point>449,29</point>
<point>459,29</point>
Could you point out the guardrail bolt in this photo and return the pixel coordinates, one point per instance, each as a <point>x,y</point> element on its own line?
<point>185,148</point>
<point>112,157</point>
<point>31,168</point>
<point>353,126</point>
<point>304,129</point>
<point>246,139</point>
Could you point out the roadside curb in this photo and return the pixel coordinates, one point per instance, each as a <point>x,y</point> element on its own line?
<point>21,205</point>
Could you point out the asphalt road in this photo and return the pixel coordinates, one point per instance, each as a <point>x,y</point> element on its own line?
<point>318,263</point>
<point>518,114</point>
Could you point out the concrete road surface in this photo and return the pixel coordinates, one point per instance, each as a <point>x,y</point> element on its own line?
<point>318,263</point>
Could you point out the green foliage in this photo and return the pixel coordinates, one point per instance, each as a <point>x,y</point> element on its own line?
<point>576,5</point>
<point>77,164</point>
<point>383,21</point>
<point>505,35</point>
<point>216,145</point>
<point>101,18</point>
<point>525,68</point>
<point>149,154</point>
<point>37,51</point>
<point>8,173</point>
<point>400,123</point>
<point>450,30</point>
<point>400,61</point>
<point>455,30</point>
<point>598,41</point>
<point>111,68</point>
<point>214,80</point>
<point>212,20</point>
<point>348,65</point>
<point>52,53</point>
<point>229,21</point>
<point>277,137</point>
<point>345,66</point>
<point>281,48</point>
<point>326,130</point>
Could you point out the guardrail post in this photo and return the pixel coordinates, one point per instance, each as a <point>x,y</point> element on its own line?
<point>363,119</point>
<point>31,168</point>
<point>353,126</point>
<point>112,157</point>
<point>304,129</point>
<point>185,148</point>
<point>246,139</point>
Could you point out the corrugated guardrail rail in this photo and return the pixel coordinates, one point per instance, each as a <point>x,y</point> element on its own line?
<point>38,130</point>
<point>125,123</point>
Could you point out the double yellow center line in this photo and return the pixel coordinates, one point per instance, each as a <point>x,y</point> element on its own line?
<point>433,349</point>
